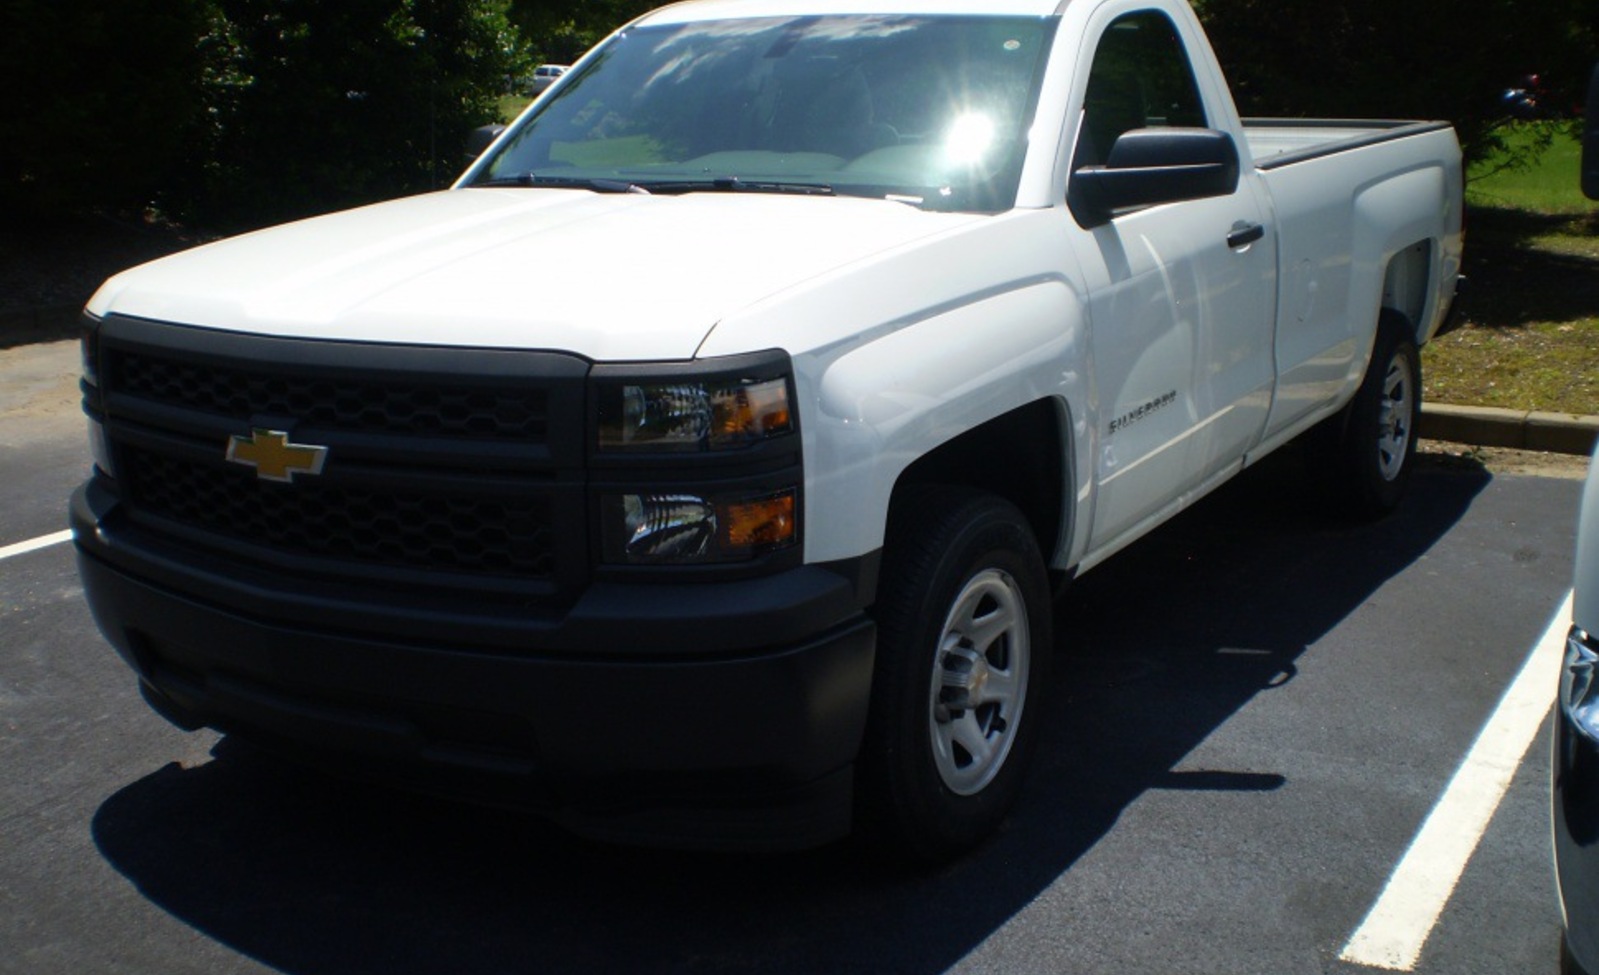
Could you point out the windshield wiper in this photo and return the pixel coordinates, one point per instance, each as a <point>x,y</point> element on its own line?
<point>718,184</point>
<point>599,184</point>
<point>737,184</point>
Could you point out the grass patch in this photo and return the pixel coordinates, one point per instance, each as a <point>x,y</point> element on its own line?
<point>511,106</point>
<point>1531,335</point>
<point>1550,186</point>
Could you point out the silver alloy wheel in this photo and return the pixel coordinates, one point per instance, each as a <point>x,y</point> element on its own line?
<point>1394,417</point>
<point>979,681</point>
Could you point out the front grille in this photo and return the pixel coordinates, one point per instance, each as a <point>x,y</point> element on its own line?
<point>407,530</point>
<point>446,468</point>
<point>400,406</point>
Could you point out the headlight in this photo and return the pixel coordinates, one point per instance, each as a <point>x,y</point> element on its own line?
<point>692,416</point>
<point>694,529</point>
<point>697,463</point>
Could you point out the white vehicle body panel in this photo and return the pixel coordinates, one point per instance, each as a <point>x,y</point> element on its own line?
<point>898,355</point>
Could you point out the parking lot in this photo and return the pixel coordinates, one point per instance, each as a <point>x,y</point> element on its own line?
<point>1254,712</point>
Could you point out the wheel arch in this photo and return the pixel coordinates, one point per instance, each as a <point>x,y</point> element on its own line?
<point>1408,285</point>
<point>1023,456</point>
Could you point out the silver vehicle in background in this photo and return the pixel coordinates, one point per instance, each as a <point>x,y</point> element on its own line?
<point>544,77</point>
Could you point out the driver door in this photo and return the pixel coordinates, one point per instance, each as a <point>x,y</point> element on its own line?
<point>1181,297</point>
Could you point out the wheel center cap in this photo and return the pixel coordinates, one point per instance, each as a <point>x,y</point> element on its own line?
<point>979,680</point>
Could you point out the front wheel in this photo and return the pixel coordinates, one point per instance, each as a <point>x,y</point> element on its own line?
<point>964,645</point>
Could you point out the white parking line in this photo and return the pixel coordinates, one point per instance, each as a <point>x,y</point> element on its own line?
<point>33,545</point>
<point>1396,929</point>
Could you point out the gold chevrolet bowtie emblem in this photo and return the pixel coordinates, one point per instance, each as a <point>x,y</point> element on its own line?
<point>273,457</point>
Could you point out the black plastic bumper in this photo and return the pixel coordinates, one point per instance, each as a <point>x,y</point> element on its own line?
<point>613,719</point>
<point>1575,800</point>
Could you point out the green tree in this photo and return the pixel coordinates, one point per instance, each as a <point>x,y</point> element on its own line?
<point>319,104</point>
<point>561,30</point>
<point>100,101</point>
<point>1403,58</point>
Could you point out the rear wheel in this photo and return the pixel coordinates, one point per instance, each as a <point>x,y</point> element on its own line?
<point>1377,446</point>
<point>963,652</point>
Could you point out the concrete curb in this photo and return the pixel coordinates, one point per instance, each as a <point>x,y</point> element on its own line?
<point>1489,426</point>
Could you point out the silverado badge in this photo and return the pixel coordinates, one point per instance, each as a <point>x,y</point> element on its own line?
<point>273,457</point>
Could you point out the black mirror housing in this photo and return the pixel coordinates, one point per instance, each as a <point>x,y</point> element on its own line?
<point>1151,166</point>
<point>479,139</point>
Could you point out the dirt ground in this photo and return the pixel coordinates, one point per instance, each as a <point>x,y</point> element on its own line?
<point>39,393</point>
<point>1501,460</point>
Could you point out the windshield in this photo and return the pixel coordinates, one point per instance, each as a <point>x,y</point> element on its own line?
<point>932,111</point>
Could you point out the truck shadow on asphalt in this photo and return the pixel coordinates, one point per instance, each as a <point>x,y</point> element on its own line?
<point>1156,649</point>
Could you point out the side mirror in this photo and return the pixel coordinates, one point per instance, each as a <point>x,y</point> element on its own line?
<point>1150,166</point>
<point>1590,140</point>
<point>479,139</point>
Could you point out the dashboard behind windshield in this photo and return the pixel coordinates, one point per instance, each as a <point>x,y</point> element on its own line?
<point>932,111</point>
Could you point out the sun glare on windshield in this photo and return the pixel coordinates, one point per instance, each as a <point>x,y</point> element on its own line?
<point>970,138</point>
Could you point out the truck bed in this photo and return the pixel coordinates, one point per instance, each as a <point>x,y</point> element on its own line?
<point>1276,142</point>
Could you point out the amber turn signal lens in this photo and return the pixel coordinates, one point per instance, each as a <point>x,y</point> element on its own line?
<point>751,412</point>
<point>760,524</point>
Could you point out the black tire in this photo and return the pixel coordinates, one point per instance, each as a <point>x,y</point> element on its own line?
<point>1376,448</point>
<point>952,719</point>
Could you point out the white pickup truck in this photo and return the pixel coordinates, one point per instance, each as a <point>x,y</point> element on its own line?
<point>698,468</point>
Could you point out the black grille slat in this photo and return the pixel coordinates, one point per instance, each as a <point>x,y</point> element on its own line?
<point>409,406</point>
<point>509,536</point>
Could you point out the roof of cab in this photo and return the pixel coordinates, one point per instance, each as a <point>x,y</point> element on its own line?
<point>696,10</point>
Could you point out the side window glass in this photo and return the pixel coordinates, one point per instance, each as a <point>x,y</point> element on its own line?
<point>1140,77</point>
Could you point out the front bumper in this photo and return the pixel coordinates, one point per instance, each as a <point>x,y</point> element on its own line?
<point>720,714</point>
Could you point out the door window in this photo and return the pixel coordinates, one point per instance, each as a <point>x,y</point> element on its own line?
<point>1140,78</point>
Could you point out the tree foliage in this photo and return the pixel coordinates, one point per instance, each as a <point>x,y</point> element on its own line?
<point>1424,59</point>
<point>317,103</point>
<point>241,112</point>
<point>561,30</point>
<point>98,100</point>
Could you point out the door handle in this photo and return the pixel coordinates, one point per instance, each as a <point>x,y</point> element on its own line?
<point>1244,234</point>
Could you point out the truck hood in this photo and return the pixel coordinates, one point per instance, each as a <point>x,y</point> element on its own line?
<point>607,276</point>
